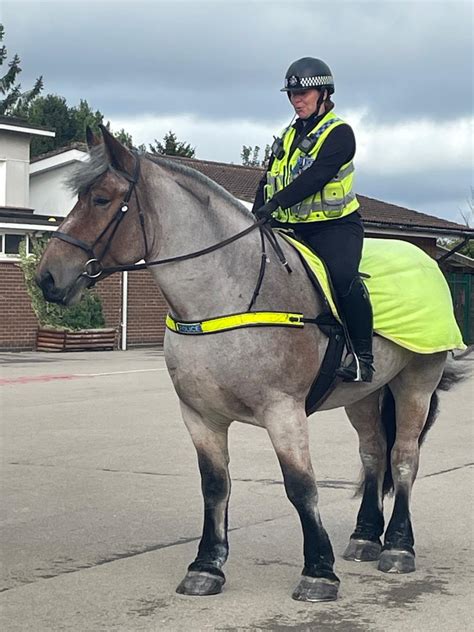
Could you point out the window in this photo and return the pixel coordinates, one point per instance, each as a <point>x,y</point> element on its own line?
<point>10,244</point>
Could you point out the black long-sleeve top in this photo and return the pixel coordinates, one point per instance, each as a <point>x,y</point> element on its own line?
<point>337,149</point>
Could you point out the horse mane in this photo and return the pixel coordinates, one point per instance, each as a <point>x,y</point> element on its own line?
<point>87,172</point>
<point>185,170</point>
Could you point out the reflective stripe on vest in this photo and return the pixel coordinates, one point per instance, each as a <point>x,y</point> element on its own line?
<point>335,200</point>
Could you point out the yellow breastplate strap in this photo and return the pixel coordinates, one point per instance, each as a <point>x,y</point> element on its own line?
<point>235,321</point>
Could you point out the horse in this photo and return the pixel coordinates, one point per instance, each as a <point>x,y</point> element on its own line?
<point>133,207</point>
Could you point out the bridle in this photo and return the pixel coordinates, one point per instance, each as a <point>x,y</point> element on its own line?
<point>93,268</point>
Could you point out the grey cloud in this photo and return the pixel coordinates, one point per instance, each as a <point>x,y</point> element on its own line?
<point>441,192</point>
<point>223,60</point>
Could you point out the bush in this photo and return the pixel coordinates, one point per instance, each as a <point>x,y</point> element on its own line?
<point>87,314</point>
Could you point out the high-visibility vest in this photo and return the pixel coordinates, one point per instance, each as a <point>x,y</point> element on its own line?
<point>335,200</point>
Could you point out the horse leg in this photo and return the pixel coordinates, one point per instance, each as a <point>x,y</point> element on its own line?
<point>205,576</point>
<point>414,392</point>
<point>288,431</point>
<point>365,544</point>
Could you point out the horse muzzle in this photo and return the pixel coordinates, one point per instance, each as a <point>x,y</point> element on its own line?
<point>53,293</point>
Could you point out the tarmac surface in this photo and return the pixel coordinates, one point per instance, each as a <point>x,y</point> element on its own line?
<point>101,511</point>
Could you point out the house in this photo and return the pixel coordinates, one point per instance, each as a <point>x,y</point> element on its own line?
<point>132,302</point>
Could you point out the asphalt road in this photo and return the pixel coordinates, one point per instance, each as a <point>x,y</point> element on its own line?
<point>101,511</point>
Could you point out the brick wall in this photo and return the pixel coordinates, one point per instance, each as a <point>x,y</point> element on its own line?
<point>110,293</point>
<point>17,321</point>
<point>428,244</point>
<point>146,310</point>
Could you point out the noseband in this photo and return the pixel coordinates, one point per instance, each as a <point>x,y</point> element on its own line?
<point>93,268</point>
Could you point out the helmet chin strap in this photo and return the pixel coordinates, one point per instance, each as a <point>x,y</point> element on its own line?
<point>321,99</point>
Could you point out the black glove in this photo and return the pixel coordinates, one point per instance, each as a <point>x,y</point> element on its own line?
<point>267,209</point>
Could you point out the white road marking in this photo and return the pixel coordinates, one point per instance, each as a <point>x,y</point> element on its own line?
<point>117,372</point>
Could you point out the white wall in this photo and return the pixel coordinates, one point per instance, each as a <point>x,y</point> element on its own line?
<point>15,159</point>
<point>48,192</point>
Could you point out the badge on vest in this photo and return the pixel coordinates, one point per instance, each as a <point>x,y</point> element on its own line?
<point>303,163</point>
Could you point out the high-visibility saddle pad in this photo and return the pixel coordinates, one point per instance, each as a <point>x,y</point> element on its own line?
<point>410,297</point>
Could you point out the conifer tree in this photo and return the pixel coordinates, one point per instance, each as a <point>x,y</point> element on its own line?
<point>14,101</point>
<point>172,147</point>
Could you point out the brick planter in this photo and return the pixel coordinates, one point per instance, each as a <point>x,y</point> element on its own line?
<point>48,339</point>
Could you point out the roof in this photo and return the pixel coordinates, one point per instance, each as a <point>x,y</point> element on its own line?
<point>376,212</point>
<point>21,125</point>
<point>242,182</point>
<point>26,216</point>
<point>61,150</point>
<point>239,180</point>
<point>455,260</point>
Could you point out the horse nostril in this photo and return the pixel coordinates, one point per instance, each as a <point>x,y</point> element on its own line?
<point>48,286</point>
<point>45,281</point>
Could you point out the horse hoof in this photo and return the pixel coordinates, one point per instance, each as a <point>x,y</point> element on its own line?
<point>362,550</point>
<point>396,561</point>
<point>200,584</point>
<point>316,589</point>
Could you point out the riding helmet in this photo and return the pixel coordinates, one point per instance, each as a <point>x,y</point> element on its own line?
<point>308,72</point>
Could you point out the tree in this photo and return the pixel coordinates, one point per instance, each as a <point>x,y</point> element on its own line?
<point>468,219</point>
<point>172,147</point>
<point>52,112</point>
<point>14,101</point>
<point>69,123</point>
<point>468,214</point>
<point>83,117</point>
<point>250,156</point>
<point>124,137</point>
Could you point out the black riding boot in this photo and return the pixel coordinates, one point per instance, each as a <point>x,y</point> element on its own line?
<point>357,312</point>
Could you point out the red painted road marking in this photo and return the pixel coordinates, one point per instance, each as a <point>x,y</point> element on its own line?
<point>26,379</point>
<point>36,378</point>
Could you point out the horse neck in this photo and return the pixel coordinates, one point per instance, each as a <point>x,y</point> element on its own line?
<point>187,217</point>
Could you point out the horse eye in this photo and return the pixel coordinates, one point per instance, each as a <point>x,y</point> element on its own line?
<point>100,201</point>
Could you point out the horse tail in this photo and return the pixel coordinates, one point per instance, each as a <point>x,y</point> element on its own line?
<point>454,372</point>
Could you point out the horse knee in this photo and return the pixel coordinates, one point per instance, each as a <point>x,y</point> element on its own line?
<point>300,488</point>
<point>404,462</point>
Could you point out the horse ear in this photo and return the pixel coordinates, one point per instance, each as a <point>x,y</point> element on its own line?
<point>91,139</point>
<point>119,156</point>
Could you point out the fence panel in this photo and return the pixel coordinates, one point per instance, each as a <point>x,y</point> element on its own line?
<point>460,285</point>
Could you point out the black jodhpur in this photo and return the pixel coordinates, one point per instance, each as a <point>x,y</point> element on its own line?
<point>339,244</point>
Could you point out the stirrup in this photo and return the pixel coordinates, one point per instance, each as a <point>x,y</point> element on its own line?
<point>357,371</point>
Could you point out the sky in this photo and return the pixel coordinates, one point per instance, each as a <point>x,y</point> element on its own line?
<point>211,71</point>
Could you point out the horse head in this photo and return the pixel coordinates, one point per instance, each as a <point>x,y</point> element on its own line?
<point>104,228</point>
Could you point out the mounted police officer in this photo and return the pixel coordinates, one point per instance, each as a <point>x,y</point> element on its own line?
<point>308,188</point>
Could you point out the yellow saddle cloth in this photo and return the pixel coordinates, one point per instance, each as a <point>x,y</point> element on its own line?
<point>410,297</point>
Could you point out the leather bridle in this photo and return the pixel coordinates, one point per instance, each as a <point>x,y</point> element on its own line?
<point>93,267</point>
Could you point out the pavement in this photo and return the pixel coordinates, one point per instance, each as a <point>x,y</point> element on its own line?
<point>101,511</point>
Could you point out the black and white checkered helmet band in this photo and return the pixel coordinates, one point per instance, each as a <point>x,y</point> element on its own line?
<point>294,82</point>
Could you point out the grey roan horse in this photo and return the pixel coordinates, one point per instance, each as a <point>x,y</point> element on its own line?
<point>259,376</point>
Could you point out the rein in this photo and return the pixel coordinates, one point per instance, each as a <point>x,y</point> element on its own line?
<point>93,268</point>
